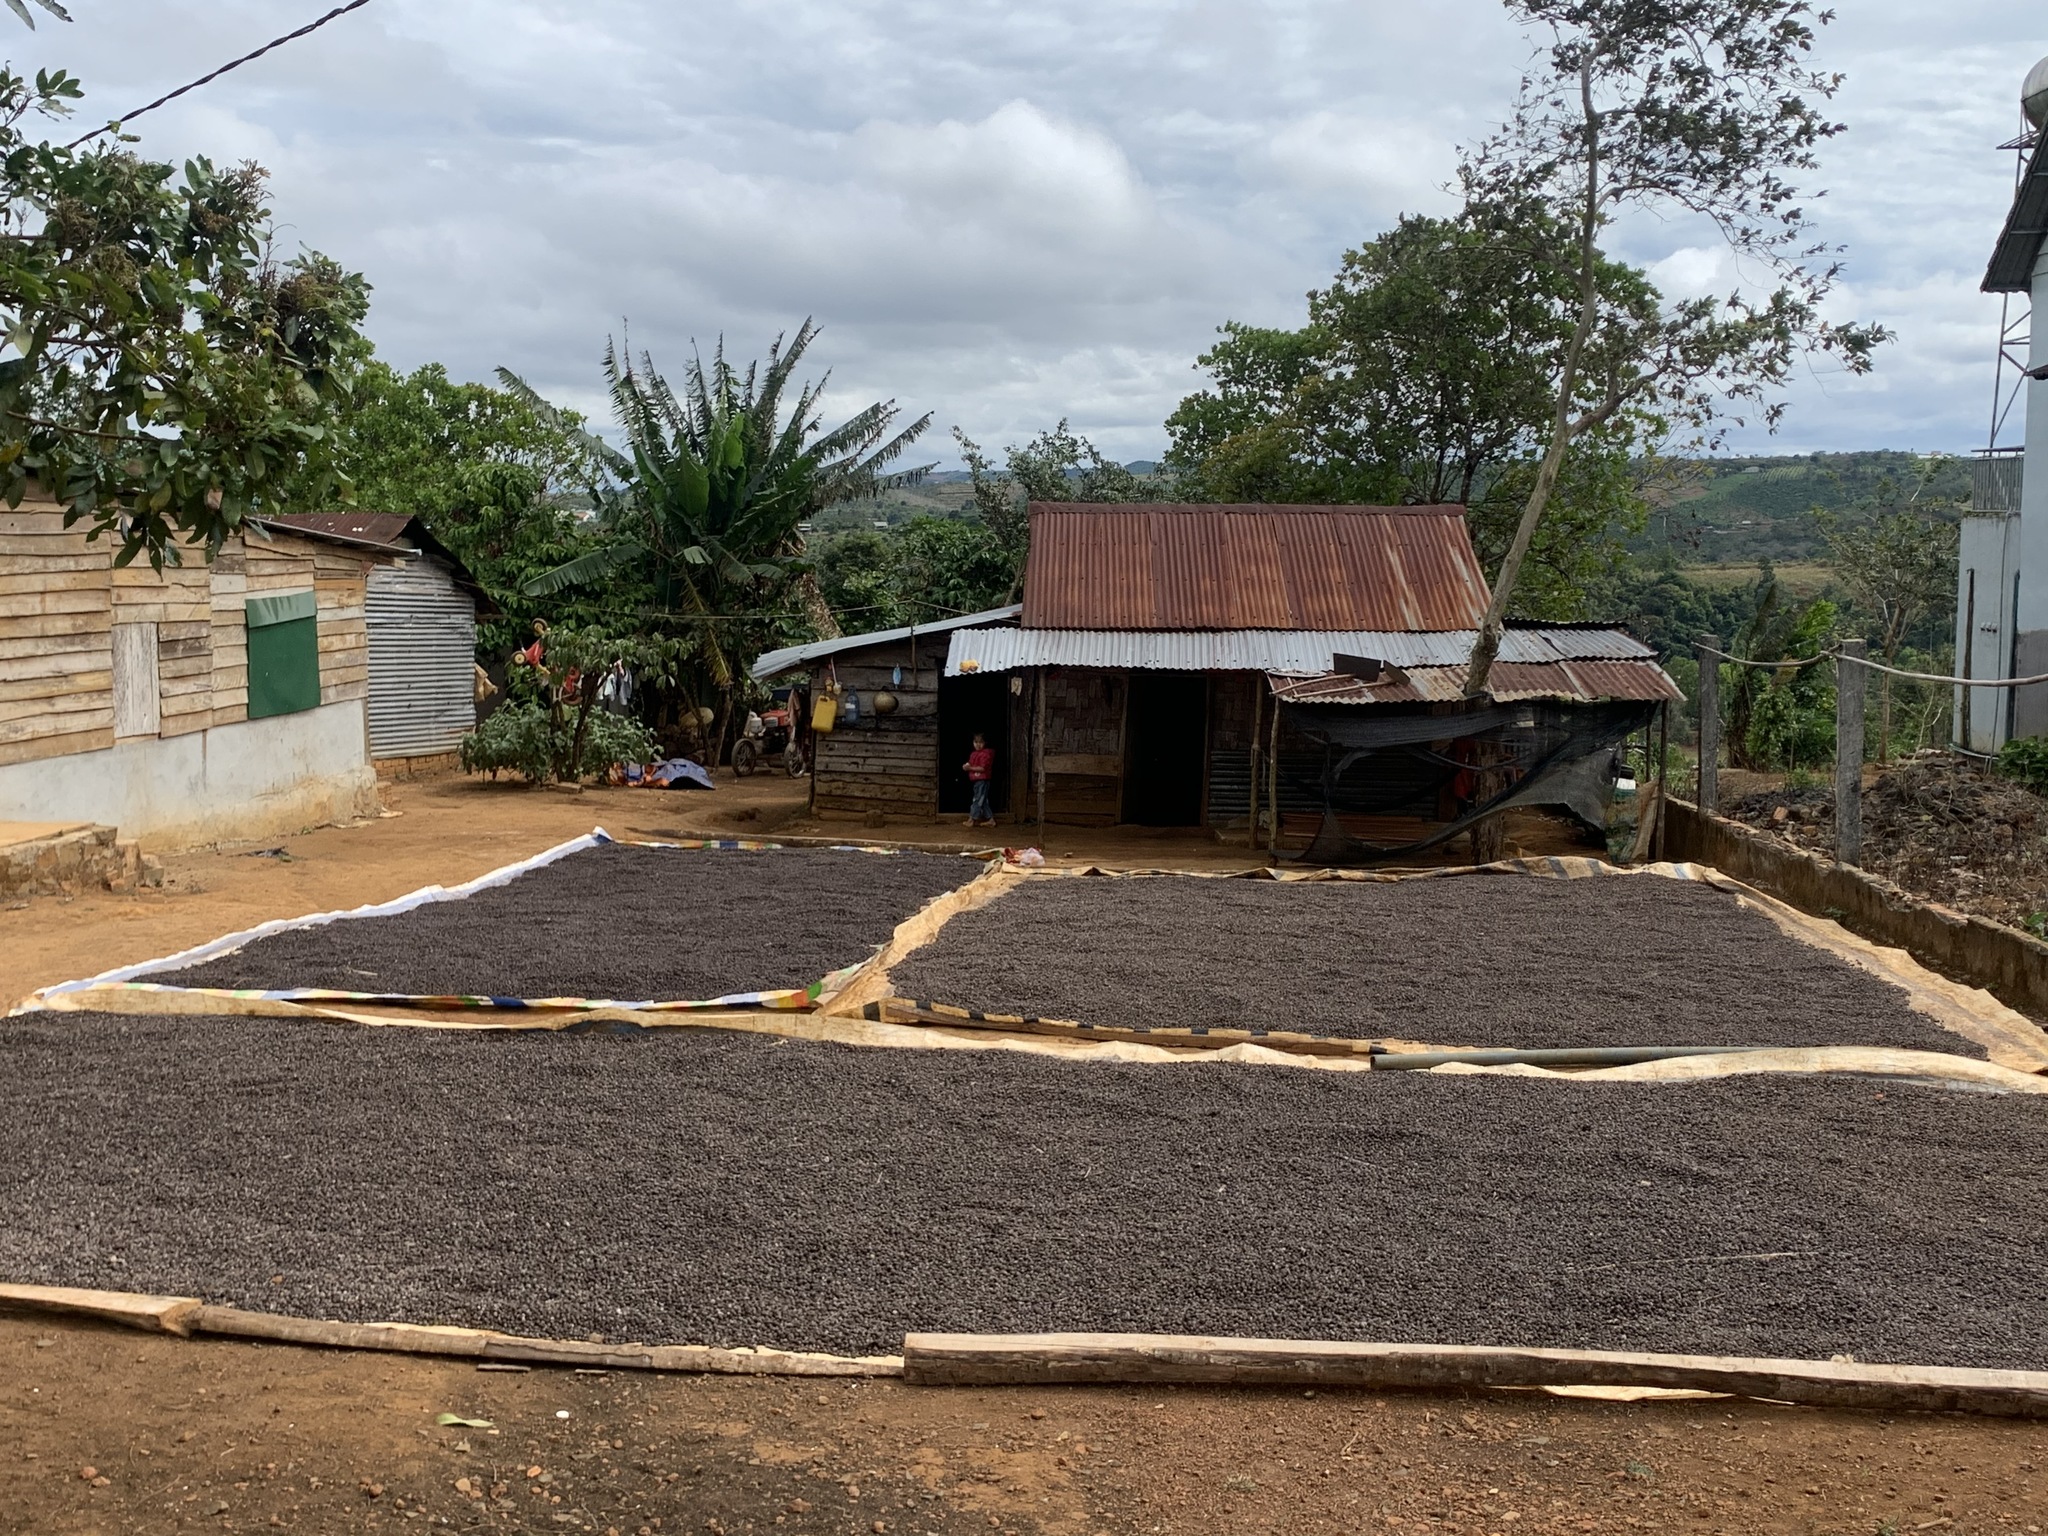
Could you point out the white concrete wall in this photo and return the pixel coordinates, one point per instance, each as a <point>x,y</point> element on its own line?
<point>1987,562</point>
<point>251,779</point>
<point>2034,482</point>
<point>2030,706</point>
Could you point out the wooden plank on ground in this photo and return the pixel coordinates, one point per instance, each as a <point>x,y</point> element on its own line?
<point>957,1359</point>
<point>156,1314</point>
<point>474,1343</point>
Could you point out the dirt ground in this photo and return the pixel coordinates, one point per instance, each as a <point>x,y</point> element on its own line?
<point>103,1430</point>
<point>216,1435</point>
<point>1944,828</point>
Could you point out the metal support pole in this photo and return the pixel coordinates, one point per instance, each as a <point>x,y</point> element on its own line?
<point>1851,676</point>
<point>1710,720</point>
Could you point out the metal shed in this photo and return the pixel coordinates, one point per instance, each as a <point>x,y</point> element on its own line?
<point>422,660</point>
<point>421,613</point>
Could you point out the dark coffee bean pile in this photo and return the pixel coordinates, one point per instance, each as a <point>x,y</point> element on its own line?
<point>1476,960</point>
<point>686,1186</point>
<point>622,923</point>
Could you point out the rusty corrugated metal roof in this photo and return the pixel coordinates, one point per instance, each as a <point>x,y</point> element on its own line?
<point>1172,566</point>
<point>1581,682</point>
<point>385,529</point>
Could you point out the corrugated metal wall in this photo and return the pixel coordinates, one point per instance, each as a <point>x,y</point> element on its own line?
<point>422,660</point>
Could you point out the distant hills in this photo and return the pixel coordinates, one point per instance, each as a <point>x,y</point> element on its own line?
<point>1722,511</point>
<point>1740,511</point>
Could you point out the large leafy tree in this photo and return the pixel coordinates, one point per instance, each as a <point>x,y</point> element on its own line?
<point>489,473</point>
<point>164,374</point>
<point>704,504</point>
<point>1700,110</point>
<point>1423,376</point>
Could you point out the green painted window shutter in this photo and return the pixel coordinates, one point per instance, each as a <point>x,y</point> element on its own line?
<point>284,654</point>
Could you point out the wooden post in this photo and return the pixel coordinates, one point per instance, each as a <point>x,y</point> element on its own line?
<point>1851,677</point>
<point>1273,787</point>
<point>1251,839</point>
<point>1663,765</point>
<point>1038,754</point>
<point>1710,720</point>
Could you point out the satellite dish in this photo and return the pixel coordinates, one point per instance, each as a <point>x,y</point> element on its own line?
<point>2034,95</point>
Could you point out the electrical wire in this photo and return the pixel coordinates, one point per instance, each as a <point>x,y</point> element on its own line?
<point>276,42</point>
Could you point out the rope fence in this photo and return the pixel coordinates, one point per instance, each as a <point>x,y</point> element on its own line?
<point>1835,654</point>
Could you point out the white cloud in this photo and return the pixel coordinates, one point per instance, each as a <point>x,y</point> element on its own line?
<point>1005,214</point>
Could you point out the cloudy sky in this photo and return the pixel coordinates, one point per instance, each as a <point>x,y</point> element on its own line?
<point>1002,213</point>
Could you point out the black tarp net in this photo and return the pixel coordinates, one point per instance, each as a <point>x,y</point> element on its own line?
<point>1551,754</point>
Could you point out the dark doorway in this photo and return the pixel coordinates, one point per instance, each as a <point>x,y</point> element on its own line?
<point>968,705</point>
<point>1166,737</point>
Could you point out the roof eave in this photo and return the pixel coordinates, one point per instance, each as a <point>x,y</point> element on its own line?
<point>2018,251</point>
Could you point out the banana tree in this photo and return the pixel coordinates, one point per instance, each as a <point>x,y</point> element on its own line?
<point>706,499</point>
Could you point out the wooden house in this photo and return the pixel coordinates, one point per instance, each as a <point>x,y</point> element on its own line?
<point>203,702</point>
<point>1199,665</point>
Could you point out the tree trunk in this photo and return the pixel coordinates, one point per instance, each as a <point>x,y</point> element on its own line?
<point>815,607</point>
<point>1487,646</point>
<point>587,699</point>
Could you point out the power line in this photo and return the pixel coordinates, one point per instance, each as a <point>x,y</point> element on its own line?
<point>275,42</point>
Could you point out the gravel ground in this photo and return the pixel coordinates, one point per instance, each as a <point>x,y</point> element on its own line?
<point>1479,960</point>
<point>700,1187</point>
<point>619,922</point>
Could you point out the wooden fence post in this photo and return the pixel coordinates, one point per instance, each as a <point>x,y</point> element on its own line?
<point>1038,752</point>
<point>1710,720</point>
<point>1851,677</point>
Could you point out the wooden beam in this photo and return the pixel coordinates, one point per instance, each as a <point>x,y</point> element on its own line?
<point>966,1359</point>
<point>153,1314</point>
<point>481,1344</point>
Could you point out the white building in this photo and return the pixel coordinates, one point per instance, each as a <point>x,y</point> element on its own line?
<point>2001,617</point>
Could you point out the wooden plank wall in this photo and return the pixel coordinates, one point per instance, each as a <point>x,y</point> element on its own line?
<point>1084,746</point>
<point>884,763</point>
<point>56,638</point>
<point>60,598</point>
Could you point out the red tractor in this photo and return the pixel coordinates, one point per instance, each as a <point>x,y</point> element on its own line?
<point>770,734</point>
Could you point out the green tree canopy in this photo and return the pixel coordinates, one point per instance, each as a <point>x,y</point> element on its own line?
<point>164,374</point>
<point>703,507</point>
<point>1424,376</point>
<point>1696,109</point>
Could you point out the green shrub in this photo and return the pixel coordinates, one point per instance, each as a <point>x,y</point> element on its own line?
<point>2025,762</point>
<point>526,738</point>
